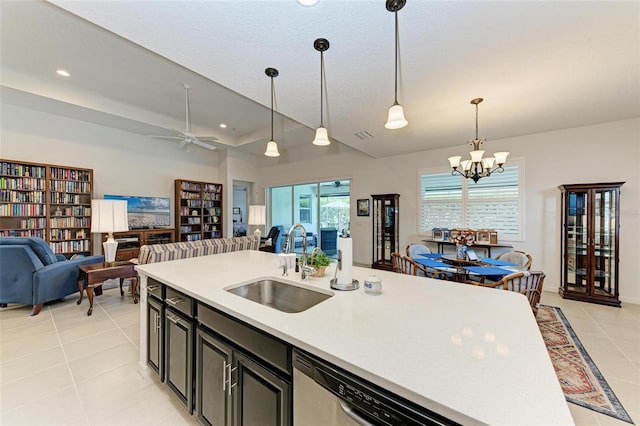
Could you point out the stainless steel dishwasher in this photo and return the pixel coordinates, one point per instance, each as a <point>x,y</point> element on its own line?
<point>325,395</point>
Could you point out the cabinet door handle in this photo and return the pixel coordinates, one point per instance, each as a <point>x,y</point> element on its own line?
<point>175,301</point>
<point>157,325</point>
<point>174,319</point>
<point>231,385</point>
<point>224,375</point>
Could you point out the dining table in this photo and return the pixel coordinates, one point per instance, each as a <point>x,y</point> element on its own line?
<point>485,268</point>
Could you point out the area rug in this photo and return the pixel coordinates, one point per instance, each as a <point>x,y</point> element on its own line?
<point>580,379</point>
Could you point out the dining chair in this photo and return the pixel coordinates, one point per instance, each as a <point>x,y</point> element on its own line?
<point>411,267</point>
<point>415,249</point>
<point>396,262</point>
<point>518,257</point>
<point>528,283</point>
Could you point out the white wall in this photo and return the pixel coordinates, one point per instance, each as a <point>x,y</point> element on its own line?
<point>131,164</point>
<point>601,153</point>
<point>123,163</point>
<point>238,166</point>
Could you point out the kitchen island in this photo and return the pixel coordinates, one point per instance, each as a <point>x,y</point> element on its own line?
<point>473,355</point>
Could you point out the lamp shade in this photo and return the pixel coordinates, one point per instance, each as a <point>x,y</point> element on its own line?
<point>257,215</point>
<point>108,216</point>
<point>322,138</point>
<point>272,150</point>
<point>396,118</point>
<point>455,161</point>
<point>501,157</point>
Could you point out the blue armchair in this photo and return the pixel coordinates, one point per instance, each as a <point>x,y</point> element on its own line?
<point>30,273</point>
<point>276,234</point>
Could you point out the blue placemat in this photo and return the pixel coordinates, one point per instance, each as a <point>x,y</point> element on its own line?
<point>431,263</point>
<point>497,262</point>
<point>487,270</point>
<point>431,255</point>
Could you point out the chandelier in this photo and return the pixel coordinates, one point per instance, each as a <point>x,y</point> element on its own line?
<point>478,166</point>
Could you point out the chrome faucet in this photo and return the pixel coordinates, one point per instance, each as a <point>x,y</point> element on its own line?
<point>305,270</point>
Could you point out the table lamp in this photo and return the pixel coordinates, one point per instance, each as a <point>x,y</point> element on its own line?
<point>109,216</point>
<point>257,216</point>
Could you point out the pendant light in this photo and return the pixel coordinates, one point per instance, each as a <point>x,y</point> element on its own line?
<point>272,146</point>
<point>396,118</point>
<point>321,139</point>
<point>478,167</point>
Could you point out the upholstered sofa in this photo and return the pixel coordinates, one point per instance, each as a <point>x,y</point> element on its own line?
<point>182,250</point>
<point>30,273</point>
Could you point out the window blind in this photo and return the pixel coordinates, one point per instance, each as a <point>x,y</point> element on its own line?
<point>448,201</point>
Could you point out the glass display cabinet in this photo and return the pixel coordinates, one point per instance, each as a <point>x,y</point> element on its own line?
<point>385,230</point>
<point>590,241</point>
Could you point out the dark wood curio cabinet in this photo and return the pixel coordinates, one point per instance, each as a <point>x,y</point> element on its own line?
<point>385,229</point>
<point>590,242</point>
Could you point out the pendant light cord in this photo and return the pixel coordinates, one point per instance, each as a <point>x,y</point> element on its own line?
<point>476,121</point>
<point>272,108</point>
<point>321,87</point>
<point>396,63</point>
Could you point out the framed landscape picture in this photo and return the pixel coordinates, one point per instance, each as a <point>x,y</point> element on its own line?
<point>363,207</point>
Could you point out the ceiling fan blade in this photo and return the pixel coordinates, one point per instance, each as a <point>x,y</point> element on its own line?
<point>166,137</point>
<point>207,138</point>
<point>183,143</point>
<point>204,144</point>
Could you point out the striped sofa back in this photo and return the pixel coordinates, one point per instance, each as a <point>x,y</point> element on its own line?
<point>172,251</point>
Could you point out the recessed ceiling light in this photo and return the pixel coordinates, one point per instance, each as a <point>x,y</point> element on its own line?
<point>308,2</point>
<point>224,126</point>
<point>63,73</point>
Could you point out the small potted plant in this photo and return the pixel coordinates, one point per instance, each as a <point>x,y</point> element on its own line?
<point>319,260</point>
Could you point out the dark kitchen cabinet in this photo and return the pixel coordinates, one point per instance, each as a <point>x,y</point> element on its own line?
<point>213,399</point>
<point>261,397</point>
<point>155,333</point>
<point>178,350</point>
<point>590,242</point>
<point>234,386</point>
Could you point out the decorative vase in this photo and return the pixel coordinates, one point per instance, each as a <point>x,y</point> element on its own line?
<point>461,251</point>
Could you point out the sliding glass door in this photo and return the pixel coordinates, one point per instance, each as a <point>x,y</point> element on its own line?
<point>322,208</point>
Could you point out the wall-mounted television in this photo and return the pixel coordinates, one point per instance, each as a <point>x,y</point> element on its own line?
<point>146,212</point>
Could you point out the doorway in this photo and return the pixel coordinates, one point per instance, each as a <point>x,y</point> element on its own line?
<point>322,208</point>
<point>240,208</point>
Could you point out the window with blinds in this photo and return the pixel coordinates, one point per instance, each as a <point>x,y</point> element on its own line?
<point>448,201</point>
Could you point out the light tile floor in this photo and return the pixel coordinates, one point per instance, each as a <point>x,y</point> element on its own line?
<point>62,367</point>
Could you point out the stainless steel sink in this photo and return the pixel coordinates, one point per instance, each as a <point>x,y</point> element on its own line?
<point>280,295</point>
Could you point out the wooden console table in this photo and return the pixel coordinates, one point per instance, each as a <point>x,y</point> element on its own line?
<point>129,242</point>
<point>95,274</point>
<point>484,246</point>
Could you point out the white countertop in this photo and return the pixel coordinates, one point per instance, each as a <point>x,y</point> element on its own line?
<point>474,355</point>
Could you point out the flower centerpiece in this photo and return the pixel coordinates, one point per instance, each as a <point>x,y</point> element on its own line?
<point>463,238</point>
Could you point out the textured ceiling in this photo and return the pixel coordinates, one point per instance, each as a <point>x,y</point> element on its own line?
<point>540,66</point>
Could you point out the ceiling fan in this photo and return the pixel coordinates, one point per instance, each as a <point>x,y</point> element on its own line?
<point>187,138</point>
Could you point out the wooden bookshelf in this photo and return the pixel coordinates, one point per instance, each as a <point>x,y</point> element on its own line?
<point>198,210</point>
<point>47,201</point>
